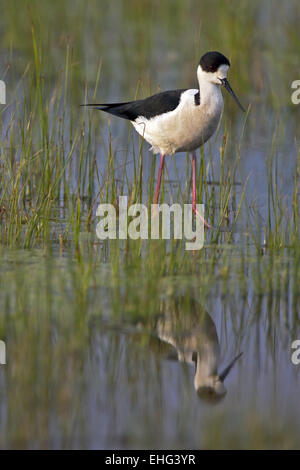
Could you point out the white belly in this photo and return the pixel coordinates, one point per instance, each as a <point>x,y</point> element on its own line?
<point>184,129</point>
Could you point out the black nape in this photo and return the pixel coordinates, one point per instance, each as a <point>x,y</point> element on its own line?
<point>197,99</point>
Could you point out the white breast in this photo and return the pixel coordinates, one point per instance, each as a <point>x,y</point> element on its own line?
<point>185,128</point>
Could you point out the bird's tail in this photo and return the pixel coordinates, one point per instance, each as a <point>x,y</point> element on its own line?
<point>117,109</point>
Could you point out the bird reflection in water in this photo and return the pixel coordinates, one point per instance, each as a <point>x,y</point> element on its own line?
<point>186,326</point>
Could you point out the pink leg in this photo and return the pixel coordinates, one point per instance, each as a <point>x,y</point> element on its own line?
<point>161,167</point>
<point>194,192</point>
<point>194,182</point>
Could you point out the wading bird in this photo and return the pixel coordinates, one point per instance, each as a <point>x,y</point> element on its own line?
<point>180,120</point>
<point>191,331</point>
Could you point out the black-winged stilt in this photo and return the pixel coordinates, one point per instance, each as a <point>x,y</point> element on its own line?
<point>180,120</point>
<point>190,330</point>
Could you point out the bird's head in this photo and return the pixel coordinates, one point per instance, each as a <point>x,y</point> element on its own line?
<point>211,388</point>
<point>213,391</point>
<point>213,68</point>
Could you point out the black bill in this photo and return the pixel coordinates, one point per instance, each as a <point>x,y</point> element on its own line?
<point>225,83</point>
<point>226,371</point>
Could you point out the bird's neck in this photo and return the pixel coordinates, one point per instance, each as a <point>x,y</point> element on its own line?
<point>210,94</point>
<point>205,368</point>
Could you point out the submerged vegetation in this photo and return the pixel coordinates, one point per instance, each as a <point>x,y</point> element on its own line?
<point>85,364</point>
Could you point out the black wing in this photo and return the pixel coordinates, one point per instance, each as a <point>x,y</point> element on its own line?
<point>148,108</point>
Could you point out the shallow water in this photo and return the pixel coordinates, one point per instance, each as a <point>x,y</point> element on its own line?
<point>108,364</point>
